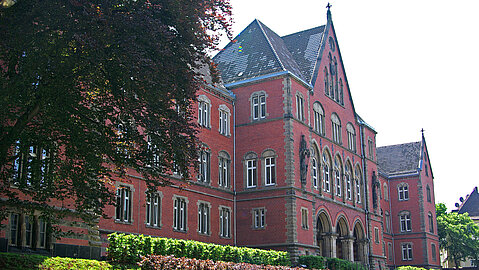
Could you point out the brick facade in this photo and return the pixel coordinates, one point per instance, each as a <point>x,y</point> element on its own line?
<point>300,165</point>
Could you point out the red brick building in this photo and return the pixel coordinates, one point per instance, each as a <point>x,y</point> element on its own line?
<point>286,163</point>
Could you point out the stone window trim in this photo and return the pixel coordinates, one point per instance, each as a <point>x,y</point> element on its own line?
<point>174,198</point>
<point>224,109</point>
<point>405,221</point>
<point>204,160</point>
<point>386,191</point>
<point>262,108</point>
<point>224,156</point>
<point>336,129</point>
<point>269,153</point>
<point>326,171</point>
<point>358,183</point>
<point>119,185</point>
<point>304,218</point>
<point>220,209</point>
<point>262,218</point>
<point>351,137</point>
<point>406,251</point>
<point>198,205</point>
<point>338,174</point>
<point>204,122</point>
<point>31,234</point>
<point>250,183</point>
<point>403,191</point>
<point>348,181</point>
<point>376,235</point>
<point>160,209</point>
<point>299,102</point>
<point>318,119</point>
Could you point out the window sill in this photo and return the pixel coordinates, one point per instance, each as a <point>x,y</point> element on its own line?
<point>153,226</point>
<point>180,231</point>
<point>225,237</point>
<point>204,234</point>
<point>124,222</point>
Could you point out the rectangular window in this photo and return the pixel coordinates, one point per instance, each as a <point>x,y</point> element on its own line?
<point>338,182</point>
<point>225,222</point>
<point>376,235</point>
<point>203,218</point>
<point>348,187</point>
<point>433,252</point>
<point>270,171</point>
<point>29,221</point>
<point>405,222</point>
<point>390,251</point>
<point>431,223</point>
<point>403,192</point>
<point>371,149</point>
<point>336,133</point>
<point>259,218</point>
<point>387,220</point>
<point>300,108</point>
<point>153,204</point>
<point>304,218</point>
<point>224,123</point>
<point>42,234</point>
<point>314,169</point>
<point>123,204</point>
<point>358,191</point>
<point>204,113</point>
<point>204,171</point>
<point>251,173</point>
<point>223,173</point>
<point>352,141</point>
<point>262,99</point>
<point>14,229</point>
<point>406,252</point>
<point>179,214</point>
<point>32,163</point>
<point>326,177</point>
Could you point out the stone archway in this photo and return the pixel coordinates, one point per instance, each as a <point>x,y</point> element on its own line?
<point>359,243</point>
<point>323,234</point>
<point>342,239</point>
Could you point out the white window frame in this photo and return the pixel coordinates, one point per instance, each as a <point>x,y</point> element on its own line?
<point>405,222</point>
<point>299,107</point>
<point>403,192</point>
<point>357,175</point>
<point>336,128</point>
<point>204,111</point>
<point>124,200</point>
<point>270,171</point>
<point>204,172</point>
<point>225,222</point>
<point>153,204</point>
<point>224,120</point>
<point>224,169</point>
<point>351,137</point>
<point>348,176</point>
<point>314,172</point>
<point>180,213</point>
<point>337,177</point>
<point>406,251</point>
<point>258,105</point>
<point>259,218</point>
<point>204,209</point>
<point>318,120</point>
<point>251,173</point>
<point>326,169</point>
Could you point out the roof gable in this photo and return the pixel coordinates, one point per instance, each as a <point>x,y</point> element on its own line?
<point>471,204</point>
<point>399,159</point>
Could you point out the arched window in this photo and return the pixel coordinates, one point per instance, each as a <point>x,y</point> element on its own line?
<point>386,192</point>
<point>348,176</point>
<point>326,81</point>
<point>337,175</point>
<point>403,192</point>
<point>224,163</point>
<point>341,93</point>
<point>204,111</point>
<point>318,118</point>
<point>336,90</point>
<point>351,137</point>
<point>314,172</point>
<point>268,159</point>
<point>251,170</point>
<point>224,124</point>
<point>331,76</point>
<point>357,182</point>
<point>326,171</point>
<point>336,127</point>
<point>204,159</point>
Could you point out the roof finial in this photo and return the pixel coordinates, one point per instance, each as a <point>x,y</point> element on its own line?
<point>329,6</point>
<point>422,131</point>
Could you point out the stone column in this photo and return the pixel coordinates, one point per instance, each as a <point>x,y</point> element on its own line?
<point>348,247</point>
<point>332,245</point>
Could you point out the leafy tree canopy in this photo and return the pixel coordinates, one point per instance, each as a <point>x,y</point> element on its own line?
<point>82,84</point>
<point>458,234</point>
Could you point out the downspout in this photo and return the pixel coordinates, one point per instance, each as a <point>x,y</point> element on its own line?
<point>366,201</point>
<point>391,222</point>
<point>234,170</point>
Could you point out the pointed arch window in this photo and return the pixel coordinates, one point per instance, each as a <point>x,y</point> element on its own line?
<point>428,193</point>
<point>341,93</point>
<point>314,171</point>
<point>337,176</point>
<point>326,172</point>
<point>326,81</point>
<point>357,181</point>
<point>348,176</point>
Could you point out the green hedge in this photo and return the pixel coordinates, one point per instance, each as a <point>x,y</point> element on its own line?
<point>410,268</point>
<point>319,262</point>
<point>127,248</point>
<point>29,261</point>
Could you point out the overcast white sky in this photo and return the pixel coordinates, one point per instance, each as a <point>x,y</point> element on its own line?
<point>410,64</point>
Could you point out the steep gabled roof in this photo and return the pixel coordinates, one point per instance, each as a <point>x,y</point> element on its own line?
<point>305,48</point>
<point>256,51</point>
<point>399,159</point>
<point>471,204</point>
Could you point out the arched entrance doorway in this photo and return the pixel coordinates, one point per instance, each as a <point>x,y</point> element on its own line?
<point>358,244</point>
<point>342,234</point>
<point>323,234</point>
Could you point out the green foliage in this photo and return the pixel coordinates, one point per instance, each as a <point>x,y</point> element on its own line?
<point>24,261</point>
<point>410,268</point>
<point>155,262</point>
<point>319,262</point>
<point>458,234</point>
<point>87,80</point>
<point>129,249</point>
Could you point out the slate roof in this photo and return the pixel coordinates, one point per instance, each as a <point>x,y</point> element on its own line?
<point>399,159</point>
<point>471,204</point>
<point>259,51</point>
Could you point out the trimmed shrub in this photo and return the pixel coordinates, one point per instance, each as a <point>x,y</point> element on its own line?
<point>155,262</point>
<point>312,262</point>
<point>319,262</point>
<point>30,261</point>
<point>129,248</point>
<point>410,268</point>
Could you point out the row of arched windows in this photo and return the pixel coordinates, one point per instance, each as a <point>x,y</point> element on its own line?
<point>331,176</point>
